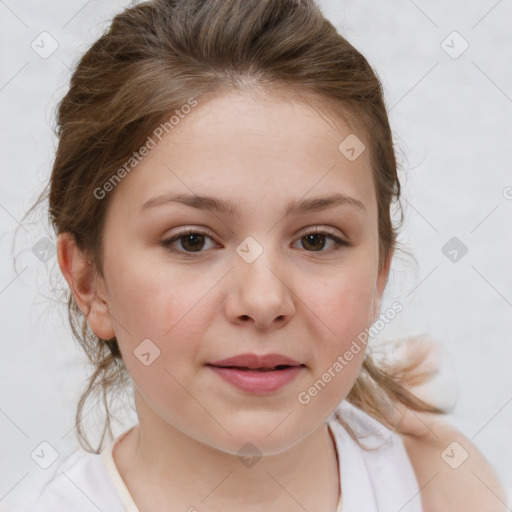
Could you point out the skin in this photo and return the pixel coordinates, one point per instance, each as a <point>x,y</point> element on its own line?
<point>260,151</point>
<point>473,485</point>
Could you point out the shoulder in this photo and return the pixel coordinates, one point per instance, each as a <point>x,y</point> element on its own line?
<point>452,473</point>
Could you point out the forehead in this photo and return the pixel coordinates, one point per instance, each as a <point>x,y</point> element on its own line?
<point>253,148</point>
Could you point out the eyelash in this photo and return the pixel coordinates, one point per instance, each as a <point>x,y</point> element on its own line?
<point>340,243</point>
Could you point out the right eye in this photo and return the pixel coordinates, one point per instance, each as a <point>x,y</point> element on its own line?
<point>191,241</point>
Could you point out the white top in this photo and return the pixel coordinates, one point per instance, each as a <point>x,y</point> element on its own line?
<point>371,481</point>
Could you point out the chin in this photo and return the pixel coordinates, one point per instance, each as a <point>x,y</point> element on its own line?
<point>256,438</point>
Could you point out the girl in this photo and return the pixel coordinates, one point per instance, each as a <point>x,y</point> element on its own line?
<point>221,194</point>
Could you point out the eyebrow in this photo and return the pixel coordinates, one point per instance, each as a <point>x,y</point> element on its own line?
<point>227,207</point>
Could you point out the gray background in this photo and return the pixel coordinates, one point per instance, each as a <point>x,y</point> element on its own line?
<point>452,120</point>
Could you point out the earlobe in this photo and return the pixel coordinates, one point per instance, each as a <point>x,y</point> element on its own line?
<point>85,284</point>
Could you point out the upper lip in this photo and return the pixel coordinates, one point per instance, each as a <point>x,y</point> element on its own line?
<point>256,361</point>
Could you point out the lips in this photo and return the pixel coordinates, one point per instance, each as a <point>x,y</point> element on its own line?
<point>246,368</point>
<point>255,362</point>
<point>258,374</point>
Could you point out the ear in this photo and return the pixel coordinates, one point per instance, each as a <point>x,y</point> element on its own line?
<point>380,285</point>
<point>87,286</point>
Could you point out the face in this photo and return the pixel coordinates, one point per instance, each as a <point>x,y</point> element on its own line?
<point>253,280</point>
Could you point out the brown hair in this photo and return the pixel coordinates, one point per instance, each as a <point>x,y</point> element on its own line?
<point>152,60</point>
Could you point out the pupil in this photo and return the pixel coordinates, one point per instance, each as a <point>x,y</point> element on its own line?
<point>311,239</point>
<point>193,238</point>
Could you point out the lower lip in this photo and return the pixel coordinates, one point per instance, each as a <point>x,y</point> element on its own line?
<point>256,381</point>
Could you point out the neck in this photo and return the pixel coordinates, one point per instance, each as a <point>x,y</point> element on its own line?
<point>161,465</point>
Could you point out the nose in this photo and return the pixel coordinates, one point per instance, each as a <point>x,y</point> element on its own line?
<point>261,292</point>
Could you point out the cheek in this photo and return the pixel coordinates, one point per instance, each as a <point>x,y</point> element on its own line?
<point>338,314</point>
<point>167,311</point>
<point>168,308</point>
<point>342,305</point>
<point>172,310</point>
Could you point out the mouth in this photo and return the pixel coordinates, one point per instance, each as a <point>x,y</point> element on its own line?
<point>257,362</point>
<point>258,374</point>
<point>258,381</point>
<point>258,369</point>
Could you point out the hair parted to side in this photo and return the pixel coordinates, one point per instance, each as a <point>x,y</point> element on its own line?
<point>152,60</point>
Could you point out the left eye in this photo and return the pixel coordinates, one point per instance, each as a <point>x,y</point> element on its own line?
<point>192,241</point>
<point>317,238</point>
